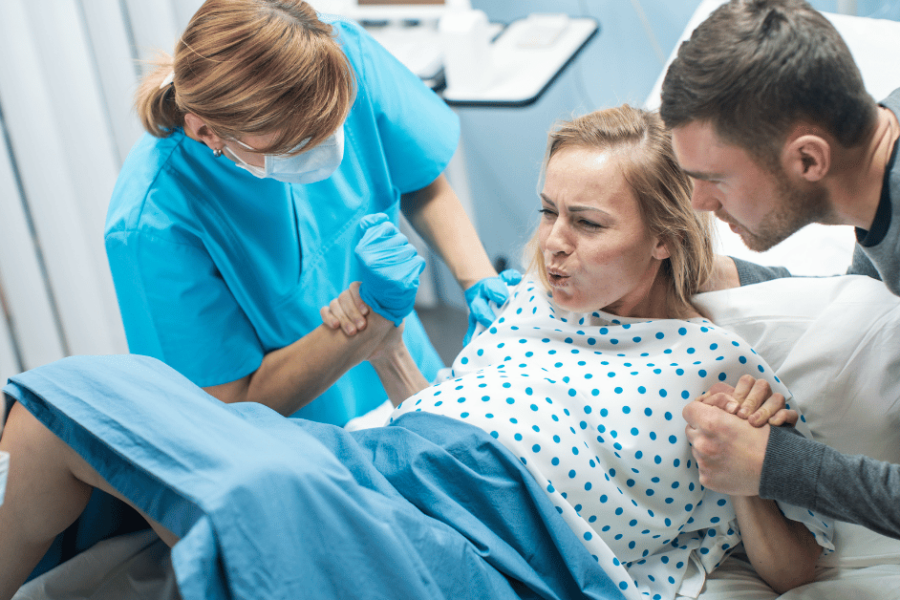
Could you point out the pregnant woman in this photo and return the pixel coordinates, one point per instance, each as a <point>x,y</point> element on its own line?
<point>553,463</point>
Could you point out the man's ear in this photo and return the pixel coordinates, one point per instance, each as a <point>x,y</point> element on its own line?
<point>807,156</point>
<point>197,129</point>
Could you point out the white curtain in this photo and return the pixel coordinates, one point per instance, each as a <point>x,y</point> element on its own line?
<point>68,70</point>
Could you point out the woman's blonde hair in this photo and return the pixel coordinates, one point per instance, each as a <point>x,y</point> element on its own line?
<point>252,67</point>
<point>661,187</point>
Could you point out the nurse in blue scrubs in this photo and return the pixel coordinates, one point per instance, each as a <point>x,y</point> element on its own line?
<point>271,133</point>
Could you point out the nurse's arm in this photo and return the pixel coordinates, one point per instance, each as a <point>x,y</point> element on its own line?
<point>438,216</point>
<point>291,377</point>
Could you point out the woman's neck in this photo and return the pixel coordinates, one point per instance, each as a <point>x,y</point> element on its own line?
<point>654,303</point>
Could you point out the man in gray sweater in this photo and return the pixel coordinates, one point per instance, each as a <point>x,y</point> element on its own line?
<point>770,117</point>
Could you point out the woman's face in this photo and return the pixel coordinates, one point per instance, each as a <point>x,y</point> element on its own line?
<point>597,251</point>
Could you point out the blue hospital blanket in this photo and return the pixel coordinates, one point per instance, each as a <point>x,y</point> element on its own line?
<point>268,507</point>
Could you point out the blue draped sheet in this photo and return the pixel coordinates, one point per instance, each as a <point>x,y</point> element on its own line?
<point>268,507</point>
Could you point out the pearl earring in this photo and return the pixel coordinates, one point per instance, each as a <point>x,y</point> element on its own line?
<point>217,152</point>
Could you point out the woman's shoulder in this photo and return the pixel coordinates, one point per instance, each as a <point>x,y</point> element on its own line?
<point>140,174</point>
<point>153,190</point>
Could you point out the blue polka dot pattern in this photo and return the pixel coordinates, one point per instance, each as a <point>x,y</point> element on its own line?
<point>631,494</point>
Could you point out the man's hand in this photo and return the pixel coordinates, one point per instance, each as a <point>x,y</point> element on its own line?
<point>728,429</point>
<point>729,450</point>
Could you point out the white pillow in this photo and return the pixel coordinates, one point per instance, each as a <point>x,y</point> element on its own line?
<point>835,342</point>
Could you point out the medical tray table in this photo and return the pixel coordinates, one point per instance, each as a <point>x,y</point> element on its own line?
<point>524,67</point>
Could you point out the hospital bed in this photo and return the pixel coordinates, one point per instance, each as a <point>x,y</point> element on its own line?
<point>834,341</point>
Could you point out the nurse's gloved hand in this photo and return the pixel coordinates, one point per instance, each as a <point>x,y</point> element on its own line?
<point>479,296</point>
<point>391,268</point>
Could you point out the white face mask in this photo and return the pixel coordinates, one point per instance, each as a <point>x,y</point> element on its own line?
<point>314,165</point>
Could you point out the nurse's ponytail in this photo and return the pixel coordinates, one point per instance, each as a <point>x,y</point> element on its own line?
<point>155,102</point>
<point>252,67</point>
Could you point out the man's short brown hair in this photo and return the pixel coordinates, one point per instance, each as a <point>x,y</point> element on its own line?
<point>755,68</point>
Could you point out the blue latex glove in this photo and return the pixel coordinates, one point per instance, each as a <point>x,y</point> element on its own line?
<point>489,289</point>
<point>391,267</point>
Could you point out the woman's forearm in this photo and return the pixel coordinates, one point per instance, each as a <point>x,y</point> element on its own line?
<point>438,216</point>
<point>399,374</point>
<point>291,377</point>
<point>782,551</point>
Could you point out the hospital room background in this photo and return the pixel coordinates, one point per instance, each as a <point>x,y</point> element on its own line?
<point>68,69</point>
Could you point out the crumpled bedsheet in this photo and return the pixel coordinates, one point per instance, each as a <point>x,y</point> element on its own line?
<point>268,507</point>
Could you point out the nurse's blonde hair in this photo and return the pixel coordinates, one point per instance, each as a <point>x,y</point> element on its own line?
<point>662,189</point>
<point>252,67</point>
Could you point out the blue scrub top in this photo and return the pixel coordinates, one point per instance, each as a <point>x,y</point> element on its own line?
<point>214,268</point>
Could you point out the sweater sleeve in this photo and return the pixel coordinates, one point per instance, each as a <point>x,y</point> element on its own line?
<point>750,273</point>
<point>856,489</point>
<point>861,264</point>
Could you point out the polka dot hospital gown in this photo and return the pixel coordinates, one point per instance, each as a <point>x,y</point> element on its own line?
<point>591,404</point>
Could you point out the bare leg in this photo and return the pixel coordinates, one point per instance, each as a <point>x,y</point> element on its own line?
<point>47,489</point>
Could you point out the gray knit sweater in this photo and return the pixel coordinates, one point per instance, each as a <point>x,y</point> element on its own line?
<point>806,473</point>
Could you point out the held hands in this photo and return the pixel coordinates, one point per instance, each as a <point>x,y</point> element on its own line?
<point>752,400</point>
<point>351,314</point>
<point>479,296</point>
<point>728,429</point>
<point>347,311</point>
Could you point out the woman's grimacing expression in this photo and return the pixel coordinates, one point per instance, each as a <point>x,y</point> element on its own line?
<point>596,248</point>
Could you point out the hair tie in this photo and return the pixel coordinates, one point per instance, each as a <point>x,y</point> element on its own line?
<point>169,80</point>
